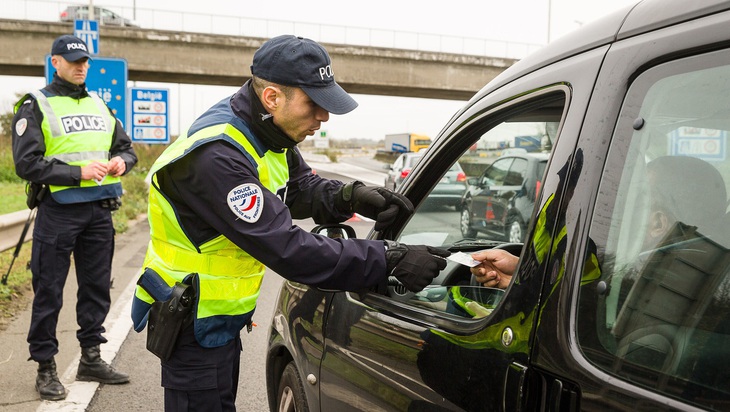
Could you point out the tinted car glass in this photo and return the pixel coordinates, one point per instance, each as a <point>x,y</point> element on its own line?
<point>443,226</point>
<point>501,210</point>
<point>517,172</point>
<point>659,315</point>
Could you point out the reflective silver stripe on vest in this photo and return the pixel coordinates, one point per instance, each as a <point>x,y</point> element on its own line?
<point>50,115</point>
<point>103,110</point>
<point>79,156</point>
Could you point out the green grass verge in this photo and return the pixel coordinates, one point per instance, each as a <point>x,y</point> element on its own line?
<point>13,196</point>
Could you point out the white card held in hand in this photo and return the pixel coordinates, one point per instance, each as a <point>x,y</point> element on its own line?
<point>463,259</point>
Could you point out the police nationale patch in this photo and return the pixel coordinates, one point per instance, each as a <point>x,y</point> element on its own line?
<point>20,126</point>
<point>246,202</point>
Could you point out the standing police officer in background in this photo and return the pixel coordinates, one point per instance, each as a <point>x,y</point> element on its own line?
<point>221,206</point>
<point>69,141</point>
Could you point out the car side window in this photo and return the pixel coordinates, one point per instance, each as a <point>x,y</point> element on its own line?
<point>495,174</point>
<point>516,174</point>
<point>398,164</point>
<point>659,315</point>
<point>459,213</point>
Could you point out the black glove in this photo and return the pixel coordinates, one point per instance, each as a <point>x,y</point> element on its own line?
<point>414,266</point>
<point>374,202</point>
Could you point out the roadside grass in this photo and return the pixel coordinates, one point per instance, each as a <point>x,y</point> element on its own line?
<point>13,196</point>
<point>16,295</point>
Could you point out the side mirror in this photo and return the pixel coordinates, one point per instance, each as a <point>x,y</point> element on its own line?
<point>335,231</point>
<point>472,181</point>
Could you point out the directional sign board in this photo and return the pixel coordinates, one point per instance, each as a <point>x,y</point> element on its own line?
<point>88,31</point>
<point>706,144</point>
<point>108,78</point>
<point>149,117</point>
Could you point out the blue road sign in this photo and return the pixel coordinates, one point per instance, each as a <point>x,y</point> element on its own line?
<point>149,115</point>
<point>108,78</point>
<point>88,31</point>
<point>706,144</point>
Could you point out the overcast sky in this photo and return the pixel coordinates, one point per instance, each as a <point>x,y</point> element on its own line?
<point>523,21</point>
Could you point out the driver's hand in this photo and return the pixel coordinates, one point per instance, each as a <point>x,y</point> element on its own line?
<point>414,266</point>
<point>496,269</point>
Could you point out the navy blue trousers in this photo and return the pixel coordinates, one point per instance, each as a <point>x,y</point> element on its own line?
<point>201,379</point>
<point>87,231</point>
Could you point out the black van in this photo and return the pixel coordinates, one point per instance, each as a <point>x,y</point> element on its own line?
<point>621,298</point>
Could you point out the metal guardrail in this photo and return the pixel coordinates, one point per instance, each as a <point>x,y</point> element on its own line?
<point>11,226</point>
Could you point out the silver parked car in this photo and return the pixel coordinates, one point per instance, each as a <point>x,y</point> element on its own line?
<point>102,15</point>
<point>400,169</point>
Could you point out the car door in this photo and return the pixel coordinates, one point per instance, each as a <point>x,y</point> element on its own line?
<point>110,18</point>
<point>392,350</point>
<point>650,332</point>
<point>513,189</point>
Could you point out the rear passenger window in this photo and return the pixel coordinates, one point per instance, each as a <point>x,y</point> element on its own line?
<point>659,315</point>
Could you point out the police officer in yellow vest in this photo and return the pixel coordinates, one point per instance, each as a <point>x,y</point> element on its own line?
<point>221,205</point>
<point>69,141</point>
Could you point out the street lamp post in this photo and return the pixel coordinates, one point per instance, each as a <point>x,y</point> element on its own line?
<point>549,17</point>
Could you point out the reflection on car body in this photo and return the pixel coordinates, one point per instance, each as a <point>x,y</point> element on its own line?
<point>621,298</point>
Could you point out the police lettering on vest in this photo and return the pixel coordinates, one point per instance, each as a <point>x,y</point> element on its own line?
<point>82,123</point>
<point>326,71</point>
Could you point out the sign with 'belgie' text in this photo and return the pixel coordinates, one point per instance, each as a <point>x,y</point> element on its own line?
<point>149,116</point>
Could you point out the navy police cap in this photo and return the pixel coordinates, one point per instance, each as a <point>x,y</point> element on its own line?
<point>295,61</point>
<point>70,48</point>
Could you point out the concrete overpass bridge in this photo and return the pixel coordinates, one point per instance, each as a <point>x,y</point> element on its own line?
<point>210,59</point>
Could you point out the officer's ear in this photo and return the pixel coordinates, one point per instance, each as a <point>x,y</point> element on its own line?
<point>55,61</point>
<point>271,98</point>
